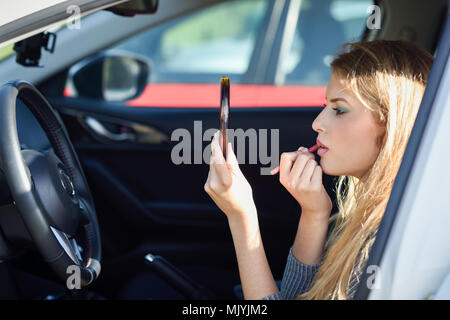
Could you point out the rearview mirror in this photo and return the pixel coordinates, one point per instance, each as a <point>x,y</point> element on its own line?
<point>134,7</point>
<point>110,76</point>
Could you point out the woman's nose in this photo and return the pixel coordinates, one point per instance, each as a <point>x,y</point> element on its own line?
<point>317,124</point>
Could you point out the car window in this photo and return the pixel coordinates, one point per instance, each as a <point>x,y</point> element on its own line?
<point>276,53</point>
<point>321,27</point>
<point>201,47</point>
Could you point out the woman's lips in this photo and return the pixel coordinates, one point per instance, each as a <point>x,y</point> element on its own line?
<point>323,148</point>
<point>321,144</point>
<point>322,151</point>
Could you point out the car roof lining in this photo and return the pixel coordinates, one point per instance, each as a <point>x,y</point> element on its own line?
<point>428,18</point>
<point>41,20</point>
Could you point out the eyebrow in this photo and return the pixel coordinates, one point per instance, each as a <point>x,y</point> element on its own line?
<point>337,99</point>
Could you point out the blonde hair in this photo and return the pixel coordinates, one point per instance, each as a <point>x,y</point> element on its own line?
<point>389,77</point>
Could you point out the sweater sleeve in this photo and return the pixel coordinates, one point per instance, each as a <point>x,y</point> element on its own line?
<point>297,279</point>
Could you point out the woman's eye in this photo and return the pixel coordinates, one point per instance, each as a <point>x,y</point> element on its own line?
<point>338,111</point>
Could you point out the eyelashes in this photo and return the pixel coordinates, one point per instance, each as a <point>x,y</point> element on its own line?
<point>338,112</point>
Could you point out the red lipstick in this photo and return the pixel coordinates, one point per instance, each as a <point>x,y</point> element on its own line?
<point>312,149</point>
<point>321,144</point>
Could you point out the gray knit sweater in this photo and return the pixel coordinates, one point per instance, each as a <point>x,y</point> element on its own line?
<point>298,278</point>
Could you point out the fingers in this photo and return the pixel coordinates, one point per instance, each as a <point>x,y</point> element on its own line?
<point>287,159</point>
<point>277,169</point>
<point>302,168</point>
<point>216,150</point>
<point>219,176</point>
<point>231,160</point>
<point>287,162</point>
<point>305,176</point>
<point>316,179</point>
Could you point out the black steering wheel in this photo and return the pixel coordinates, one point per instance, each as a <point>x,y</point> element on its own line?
<point>50,189</point>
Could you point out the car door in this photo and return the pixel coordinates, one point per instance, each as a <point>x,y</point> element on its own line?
<point>409,257</point>
<point>149,196</point>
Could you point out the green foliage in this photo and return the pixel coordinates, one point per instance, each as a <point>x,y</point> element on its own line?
<point>229,20</point>
<point>5,52</point>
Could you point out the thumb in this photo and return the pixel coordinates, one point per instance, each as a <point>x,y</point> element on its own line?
<point>232,161</point>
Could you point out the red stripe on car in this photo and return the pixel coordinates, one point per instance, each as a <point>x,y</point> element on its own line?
<point>167,95</point>
<point>241,96</point>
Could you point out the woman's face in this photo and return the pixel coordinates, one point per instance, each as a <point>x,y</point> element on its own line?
<point>350,132</point>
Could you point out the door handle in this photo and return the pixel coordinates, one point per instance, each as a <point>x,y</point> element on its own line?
<point>98,128</point>
<point>132,132</point>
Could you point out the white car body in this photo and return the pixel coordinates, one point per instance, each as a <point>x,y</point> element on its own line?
<point>416,259</point>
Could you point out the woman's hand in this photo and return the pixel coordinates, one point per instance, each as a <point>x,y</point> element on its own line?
<point>226,184</point>
<point>302,177</point>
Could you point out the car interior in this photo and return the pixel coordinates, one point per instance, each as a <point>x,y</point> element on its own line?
<point>162,237</point>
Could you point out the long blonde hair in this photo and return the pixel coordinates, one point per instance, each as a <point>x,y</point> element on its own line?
<point>389,78</point>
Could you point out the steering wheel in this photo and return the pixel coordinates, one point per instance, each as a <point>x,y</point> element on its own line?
<point>50,189</point>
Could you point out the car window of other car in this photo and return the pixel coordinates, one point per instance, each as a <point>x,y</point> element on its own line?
<point>201,47</point>
<point>321,27</point>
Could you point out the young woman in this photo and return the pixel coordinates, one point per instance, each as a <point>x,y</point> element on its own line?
<point>373,97</point>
